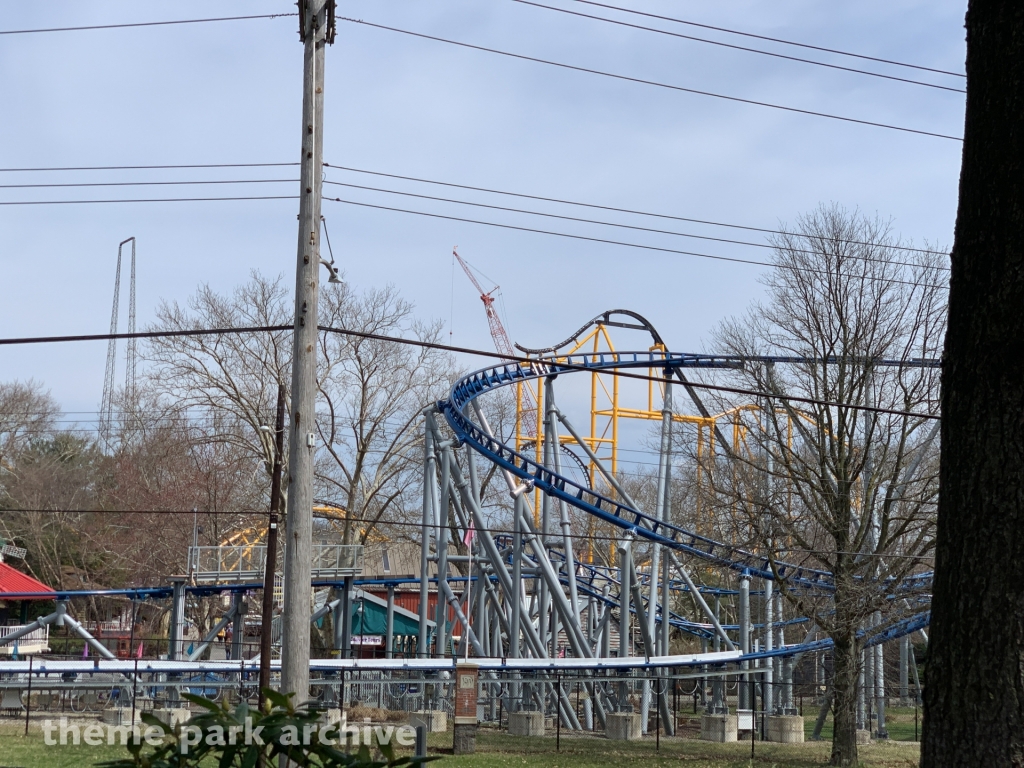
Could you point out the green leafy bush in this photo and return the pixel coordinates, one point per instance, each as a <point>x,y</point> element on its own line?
<point>239,738</point>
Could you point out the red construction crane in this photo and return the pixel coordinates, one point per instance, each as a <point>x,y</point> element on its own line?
<point>528,407</point>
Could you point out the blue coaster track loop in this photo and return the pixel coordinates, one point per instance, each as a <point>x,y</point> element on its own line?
<point>468,388</point>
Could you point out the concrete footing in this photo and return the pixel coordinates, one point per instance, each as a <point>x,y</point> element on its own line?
<point>465,736</point>
<point>863,737</point>
<point>434,720</point>
<point>718,728</point>
<point>784,729</point>
<point>622,726</point>
<point>172,716</point>
<point>119,716</point>
<point>526,723</point>
<point>330,716</point>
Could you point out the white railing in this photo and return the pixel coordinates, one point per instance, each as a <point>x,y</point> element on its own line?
<point>36,641</point>
<point>239,563</point>
<point>336,560</point>
<point>226,564</point>
<point>121,624</point>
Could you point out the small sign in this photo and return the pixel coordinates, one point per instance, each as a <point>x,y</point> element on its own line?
<point>9,550</point>
<point>467,681</point>
<point>368,640</point>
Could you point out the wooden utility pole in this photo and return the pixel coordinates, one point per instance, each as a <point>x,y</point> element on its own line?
<point>316,30</point>
<point>270,565</point>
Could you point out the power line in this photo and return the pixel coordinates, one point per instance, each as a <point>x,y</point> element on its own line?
<point>488,190</point>
<point>145,167</point>
<point>145,183</point>
<point>461,350</point>
<point>654,83</point>
<point>773,39</point>
<point>149,200</point>
<point>143,24</point>
<point>605,241</point>
<point>741,47</point>
<point>614,209</point>
<point>604,223</point>
<point>414,524</point>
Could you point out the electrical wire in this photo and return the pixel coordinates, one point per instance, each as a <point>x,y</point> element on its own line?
<point>149,200</point>
<point>143,24</point>
<point>64,185</point>
<point>607,223</point>
<point>613,208</point>
<point>740,47</point>
<point>486,223</point>
<point>653,83</point>
<point>461,350</point>
<point>488,190</point>
<point>605,241</point>
<point>772,39</point>
<point>419,525</point>
<point>145,167</point>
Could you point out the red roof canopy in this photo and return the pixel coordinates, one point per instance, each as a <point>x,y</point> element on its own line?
<point>13,581</point>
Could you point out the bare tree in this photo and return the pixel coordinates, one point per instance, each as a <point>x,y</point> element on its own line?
<point>370,391</point>
<point>827,484</point>
<point>371,394</point>
<point>235,376</point>
<point>27,413</point>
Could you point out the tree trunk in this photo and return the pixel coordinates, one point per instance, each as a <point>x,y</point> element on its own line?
<point>974,697</point>
<point>846,658</point>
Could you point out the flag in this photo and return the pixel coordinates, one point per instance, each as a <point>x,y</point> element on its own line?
<point>470,534</point>
<point>138,652</point>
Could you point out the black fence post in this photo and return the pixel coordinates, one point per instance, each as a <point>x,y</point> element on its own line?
<point>135,690</point>
<point>657,720</point>
<point>558,713</point>
<point>28,700</point>
<point>753,716</point>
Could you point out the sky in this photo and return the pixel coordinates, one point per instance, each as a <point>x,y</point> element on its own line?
<point>230,92</point>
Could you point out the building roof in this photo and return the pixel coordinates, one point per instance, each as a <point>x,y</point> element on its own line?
<point>395,560</point>
<point>13,581</point>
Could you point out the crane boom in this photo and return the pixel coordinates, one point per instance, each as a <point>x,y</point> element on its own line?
<point>527,409</point>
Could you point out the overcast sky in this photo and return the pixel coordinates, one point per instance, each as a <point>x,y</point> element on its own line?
<point>230,92</point>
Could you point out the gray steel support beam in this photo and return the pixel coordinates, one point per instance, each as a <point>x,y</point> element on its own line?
<point>238,625</point>
<point>95,644</point>
<point>580,648</point>
<point>441,539</point>
<point>389,625</point>
<point>212,634</point>
<point>718,705</point>
<point>563,512</point>
<point>743,695</point>
<point>698,598</point>
<point>177,619</point>
<point>428,516</point>
<point>768,696</point>
<point>649,649</point>
<point>346,617</point>
<point>517,583</point>
<point>880,729</point>
<point>904,671</point>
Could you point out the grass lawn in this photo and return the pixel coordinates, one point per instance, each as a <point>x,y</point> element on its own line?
<point>499,749</point>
